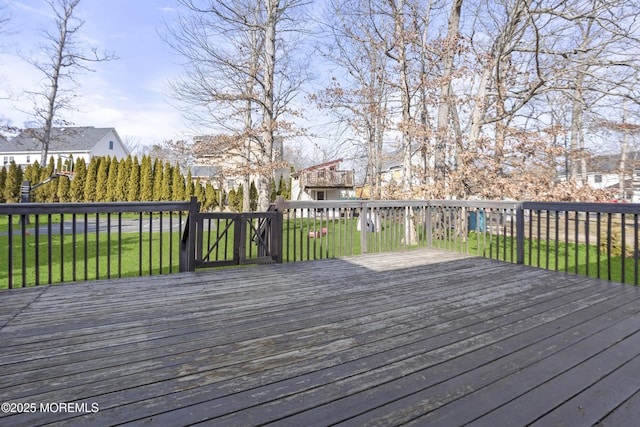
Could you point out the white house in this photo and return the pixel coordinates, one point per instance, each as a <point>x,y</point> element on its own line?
<point>604,174</point>
<point>79,142</point>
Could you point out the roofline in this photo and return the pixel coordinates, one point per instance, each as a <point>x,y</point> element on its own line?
<point>321,165</point>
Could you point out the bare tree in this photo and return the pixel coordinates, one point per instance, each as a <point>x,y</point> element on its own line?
<point>594,44</point>
<point>359,98</point>
<point>64,57</point>
<point>240,76</point>
<point>489,93</point>
<point>5,19</point>
<point>445,104</point>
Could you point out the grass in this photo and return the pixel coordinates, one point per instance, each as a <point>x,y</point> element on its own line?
<point>569,257</point>
<point>304,239</point>
<point>66,261</point>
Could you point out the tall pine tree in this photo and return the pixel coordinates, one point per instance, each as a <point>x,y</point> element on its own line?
<point>167,175</point>
<point>102,178</point>
<point>3,181</point>
<point>177,184</point>
<point>47,192</point>
<point>146,179</point>
<point>189,186</point>
<point>158,176</point>
<point>112,181</point>
<point>63,190</point>
<point>91,180</point>
<point>13,183</point>
<point>133,193</point>
<point>76,187</point>
<point>124,170</point>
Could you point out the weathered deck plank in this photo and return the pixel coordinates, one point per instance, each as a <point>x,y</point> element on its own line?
<point>419,337</point>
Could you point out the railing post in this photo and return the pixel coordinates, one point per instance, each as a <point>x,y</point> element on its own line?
<point>239,239</point>
<point>363,227</point>
<point>188,241</point>
<point>277,232</point>
<point>520,233</point>
<point>429,225</point>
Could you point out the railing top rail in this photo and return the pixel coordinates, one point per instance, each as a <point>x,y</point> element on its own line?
<point>626,208</point>
<point>328,204</point>
<point>482,204</point>
<point>313,204</point>
<point>106,207</point>
<point>234,215</point>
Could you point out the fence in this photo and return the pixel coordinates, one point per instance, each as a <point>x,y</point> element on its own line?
<point>45,243</point>
<point>593,239</point>
<point>50,243</point>
<point>327,229</point>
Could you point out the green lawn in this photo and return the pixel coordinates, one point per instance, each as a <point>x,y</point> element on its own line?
<point>304,239</point>
<point>102,257</point>
<point>573,258</point>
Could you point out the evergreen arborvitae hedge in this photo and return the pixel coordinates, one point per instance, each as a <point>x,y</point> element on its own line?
<point>3,180</point>
<point>13,181</point>
<point>109,180</point>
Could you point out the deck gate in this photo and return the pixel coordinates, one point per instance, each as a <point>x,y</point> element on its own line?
<point>224,239</point>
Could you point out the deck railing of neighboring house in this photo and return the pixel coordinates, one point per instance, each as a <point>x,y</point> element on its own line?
<point>327,178</point>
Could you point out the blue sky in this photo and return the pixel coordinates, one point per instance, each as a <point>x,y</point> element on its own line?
<point>128,94</point>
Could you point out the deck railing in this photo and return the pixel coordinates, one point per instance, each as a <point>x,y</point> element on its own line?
<point>50,243</point>
<point>594,239</point>
<point>43,243</point>
<point>328,229</point>
<point>327,178</point>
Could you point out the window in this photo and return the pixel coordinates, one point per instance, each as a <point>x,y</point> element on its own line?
<point>597,179</point>
<point>28,159</point>
<point>6,160</point>
<point>110,145</point>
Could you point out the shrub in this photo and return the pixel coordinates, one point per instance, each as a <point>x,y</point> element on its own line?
<point>616,243</point>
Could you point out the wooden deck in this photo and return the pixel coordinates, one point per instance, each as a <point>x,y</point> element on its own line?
<point>421,337</point>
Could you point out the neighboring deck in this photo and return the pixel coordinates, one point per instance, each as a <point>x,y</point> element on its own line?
<point>424,337</point>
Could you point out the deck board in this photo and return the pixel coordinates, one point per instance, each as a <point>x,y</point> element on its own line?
<point>420,337</point>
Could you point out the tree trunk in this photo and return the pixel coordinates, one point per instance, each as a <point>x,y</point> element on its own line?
<point>444,103</point>
<point>268,125</point>
<point>55,82</point>
<point>576,127</point>
<point>623,154</point>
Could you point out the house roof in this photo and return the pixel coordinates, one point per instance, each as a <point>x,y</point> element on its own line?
<point>205,171</point>
<point>322,165</point>
<point>611,163</point>
<point>214,145</point>
<point>221,144</point>
<point>314,167</point>
<point>62,139</point>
